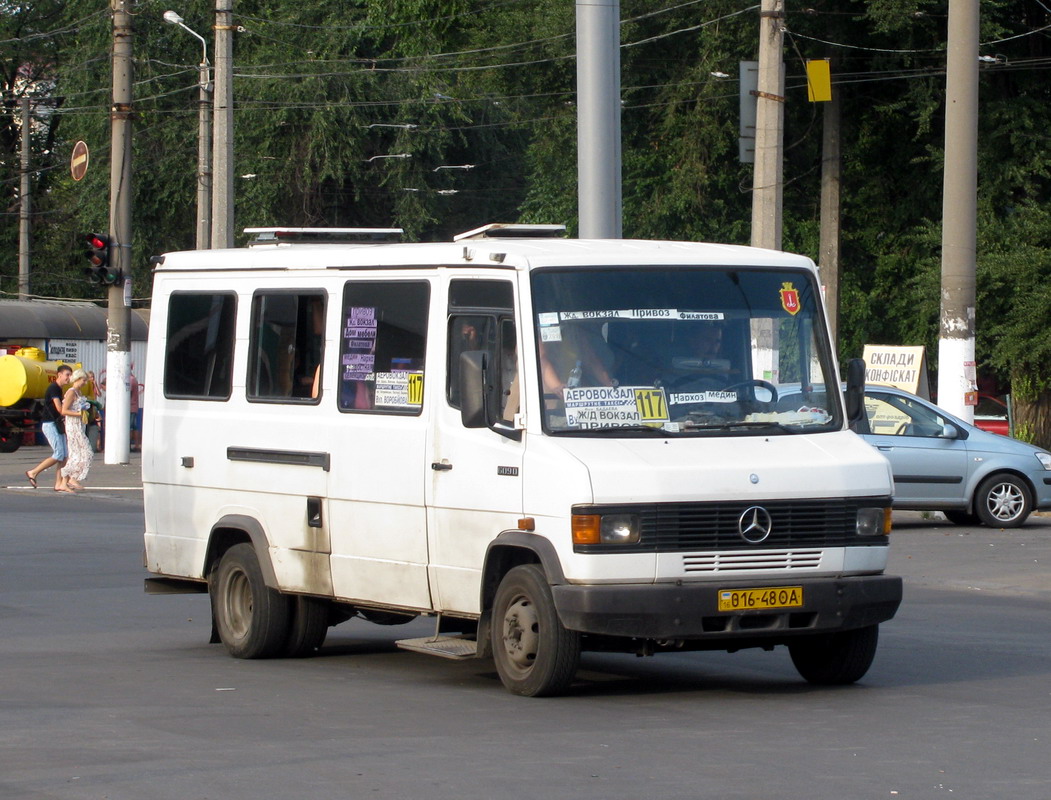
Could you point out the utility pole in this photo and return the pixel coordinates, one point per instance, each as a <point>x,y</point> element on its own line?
<point>118,343</point>
<point>956,368</point>
<point>598,119</point>
<point>25,203</point>
<point>223,128</point>
<point>831,167</point>
<point>767,175</point>
<point>204,158</point>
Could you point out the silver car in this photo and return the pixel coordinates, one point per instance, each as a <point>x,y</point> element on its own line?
<point>941,463</point>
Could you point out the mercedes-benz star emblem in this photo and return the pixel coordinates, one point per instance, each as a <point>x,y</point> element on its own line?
<point>754,524</point>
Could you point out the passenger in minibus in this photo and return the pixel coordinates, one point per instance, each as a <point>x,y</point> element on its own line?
<point>308,356</point>
<point>574,360</point>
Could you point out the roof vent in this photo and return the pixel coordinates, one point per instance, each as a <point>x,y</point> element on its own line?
<point>261,236</point>
<point>503,230</point>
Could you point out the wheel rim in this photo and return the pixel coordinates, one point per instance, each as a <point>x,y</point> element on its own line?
<point>521,634</point>
<point>1005,501</point>
<point>238,604</point>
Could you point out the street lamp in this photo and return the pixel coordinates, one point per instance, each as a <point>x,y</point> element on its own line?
<point>204,138</point>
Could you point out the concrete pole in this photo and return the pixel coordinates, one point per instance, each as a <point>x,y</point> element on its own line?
<point>25,204</point>
<point>118,343</point>
<point>204,158</point>
<point>831,167</point>
<point>767,180</point>
<point>223,130</point>
<point>598,119</point>
<point>767,176</point>
<point>959,212</point>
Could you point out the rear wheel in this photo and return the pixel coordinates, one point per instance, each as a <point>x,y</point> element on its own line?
<point>308,626</point>
<point>252,619</point>
<point>534,654</point>
<point>961,517</point>
<point>1003,501</point>
<point>835,659</point>
<point>10,440</point>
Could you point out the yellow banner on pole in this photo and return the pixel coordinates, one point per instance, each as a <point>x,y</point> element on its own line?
<point>818,80</point>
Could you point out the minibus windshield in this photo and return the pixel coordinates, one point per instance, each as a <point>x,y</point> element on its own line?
<point>638,351</point>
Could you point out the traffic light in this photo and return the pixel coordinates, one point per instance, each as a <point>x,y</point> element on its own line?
<point>100,271</point>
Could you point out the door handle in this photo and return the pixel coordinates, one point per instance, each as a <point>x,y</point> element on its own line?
<point>314,519</point>
<point>441,466</point>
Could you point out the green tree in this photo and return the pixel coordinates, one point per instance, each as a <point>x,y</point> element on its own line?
<point>321,90</point>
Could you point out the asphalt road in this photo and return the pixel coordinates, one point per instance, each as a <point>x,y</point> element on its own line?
<point>108,693</point>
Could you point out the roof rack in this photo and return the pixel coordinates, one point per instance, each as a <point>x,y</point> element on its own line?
<point>262,236</point>
<point>503,230</point>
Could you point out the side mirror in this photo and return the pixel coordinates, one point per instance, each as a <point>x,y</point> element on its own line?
<point>855,393</point>
<point>472,389</point>
<point>949,431</point>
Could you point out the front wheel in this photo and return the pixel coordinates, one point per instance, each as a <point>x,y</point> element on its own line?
<point>252,619</point>
<point>1003,501</point>
<point>535,655</point>
<point>835,659</point>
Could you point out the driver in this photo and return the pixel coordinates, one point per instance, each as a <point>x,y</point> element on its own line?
<point>704,364</point>
<point>707,341</point>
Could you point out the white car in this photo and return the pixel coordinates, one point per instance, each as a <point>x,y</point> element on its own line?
<point>941,463</point>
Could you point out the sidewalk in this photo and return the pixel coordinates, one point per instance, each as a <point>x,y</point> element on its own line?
<point>103,476</point>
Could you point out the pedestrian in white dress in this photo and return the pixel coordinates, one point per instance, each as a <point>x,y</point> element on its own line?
<point>74,404</point>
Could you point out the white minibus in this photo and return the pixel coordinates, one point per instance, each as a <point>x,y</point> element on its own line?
<point>547,445</point>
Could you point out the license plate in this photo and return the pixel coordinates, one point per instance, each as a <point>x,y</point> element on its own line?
<point>769,597</point>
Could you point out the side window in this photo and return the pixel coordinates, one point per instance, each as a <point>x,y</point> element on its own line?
<point>884,419</point>
<point>466,332</point>
<point>383,342</point>
<point>509,392</point>
<point>889,415</point>
<point>285,346</point>
<point>481,318</point>
<point>199,352</point>
<point>497,337</point>
<point>923,422</point>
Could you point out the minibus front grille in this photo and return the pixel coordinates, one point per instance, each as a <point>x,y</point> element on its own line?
<point>681,527</point>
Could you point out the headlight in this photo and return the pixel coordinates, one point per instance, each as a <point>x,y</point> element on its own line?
<point>873,521</point>
<point>1043,458</point>
<point>619,529</point>
<point>605,529</point>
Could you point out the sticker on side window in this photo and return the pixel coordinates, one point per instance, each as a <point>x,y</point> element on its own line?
<point>399,389</point>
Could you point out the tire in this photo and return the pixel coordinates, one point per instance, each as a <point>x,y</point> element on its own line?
<point>9,443</point>
<point>835,659</point>
<point>1003,501</point>
<point>308,626</point>
<point>535,655</point>
<point>958,517</point>
<point>252,619</point>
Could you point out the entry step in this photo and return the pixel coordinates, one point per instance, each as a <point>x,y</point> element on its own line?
<point>454,647</point>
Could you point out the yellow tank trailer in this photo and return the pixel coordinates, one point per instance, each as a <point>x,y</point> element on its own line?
<point>24,377</point>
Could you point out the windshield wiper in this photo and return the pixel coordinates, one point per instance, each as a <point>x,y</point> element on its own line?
<point>740,424</point>
<point>626,429</point>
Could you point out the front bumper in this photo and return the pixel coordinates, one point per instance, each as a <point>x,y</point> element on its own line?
<point>690,610</point>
